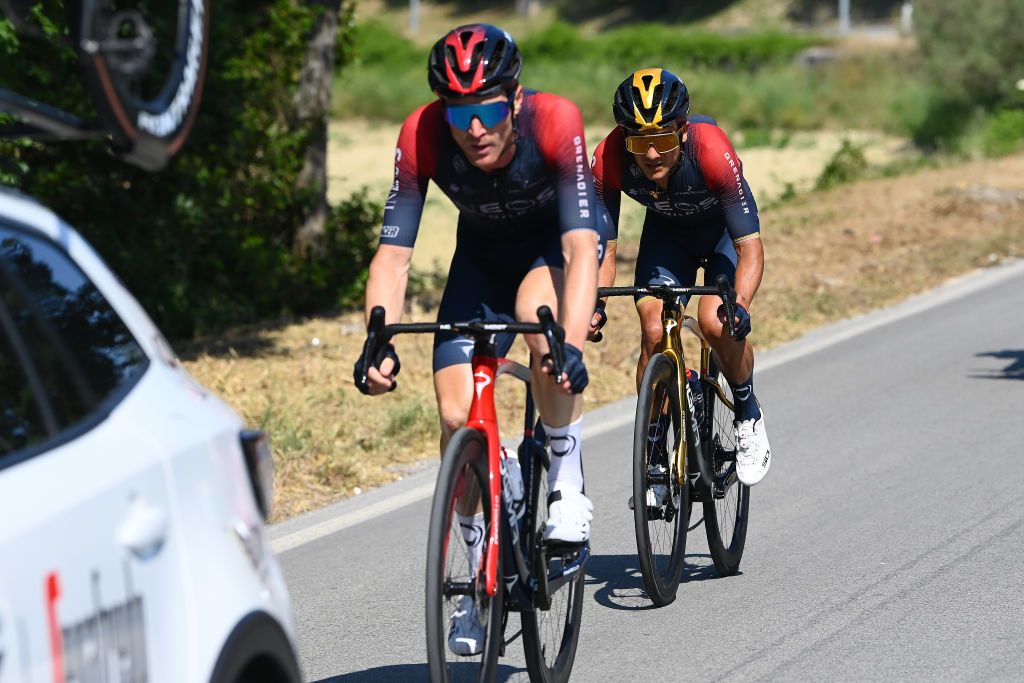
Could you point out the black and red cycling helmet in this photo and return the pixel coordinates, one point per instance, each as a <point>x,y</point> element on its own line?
<point>474,60</point>
<point>650,99</point>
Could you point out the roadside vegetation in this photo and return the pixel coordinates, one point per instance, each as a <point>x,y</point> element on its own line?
<point>860,234</point>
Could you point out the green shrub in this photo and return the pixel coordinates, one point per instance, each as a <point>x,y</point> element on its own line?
<point>846,165</point>
<point>1003,133</point>
<point>557,42</point>
<point>209,241</point>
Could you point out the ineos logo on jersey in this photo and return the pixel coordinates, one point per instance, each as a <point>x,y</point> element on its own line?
<point>171,119</point>
<point>512,208</point>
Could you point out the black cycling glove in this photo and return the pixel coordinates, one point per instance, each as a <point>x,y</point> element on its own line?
<point>602,320</point>
<point>359,372</point>
<point>575,371</point>
<point>743,326</point>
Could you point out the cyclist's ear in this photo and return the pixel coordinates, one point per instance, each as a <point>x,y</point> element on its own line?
<point>517,101</point>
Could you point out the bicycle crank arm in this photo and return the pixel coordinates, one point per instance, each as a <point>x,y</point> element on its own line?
<point>568,572</point>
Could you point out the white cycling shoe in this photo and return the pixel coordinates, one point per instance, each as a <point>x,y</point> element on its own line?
<point>753,455</point>
<point>569,515</point>
<point>466,633</point>
<point>657,494</point>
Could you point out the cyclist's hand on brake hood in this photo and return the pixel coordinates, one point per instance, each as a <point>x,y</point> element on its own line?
<point>574,372</point>
<point>380,376</point>
<point>742,319</point>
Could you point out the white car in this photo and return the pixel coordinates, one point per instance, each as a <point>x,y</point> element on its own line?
<point>132,501</point>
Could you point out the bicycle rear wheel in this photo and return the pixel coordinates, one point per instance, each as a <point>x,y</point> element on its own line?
<point>462,481</point>
<point>660,529</point>
<point>145,64</point>
<point>727,511</point>
<point>550,636</point>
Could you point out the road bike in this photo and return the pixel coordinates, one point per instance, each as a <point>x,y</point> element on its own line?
<point>685,447</point>
<point>143,64</point>
<point>518,571</point>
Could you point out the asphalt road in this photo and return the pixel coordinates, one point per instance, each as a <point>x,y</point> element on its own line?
<point>887,542</point>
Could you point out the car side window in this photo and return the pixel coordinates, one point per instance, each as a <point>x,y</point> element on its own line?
<point>72,350</point>
<point>22,418</point>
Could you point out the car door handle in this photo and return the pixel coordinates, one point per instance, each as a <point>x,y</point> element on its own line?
<point>144,529</point>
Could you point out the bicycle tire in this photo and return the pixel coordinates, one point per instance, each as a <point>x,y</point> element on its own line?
<point>725,519</point>
<point>551,636</point>
<point>149,112</point>
<point>661,570</point>
<point>464,462</point>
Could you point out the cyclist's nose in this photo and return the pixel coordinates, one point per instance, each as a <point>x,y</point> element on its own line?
<point>476,128</point>
<point>653,154</point>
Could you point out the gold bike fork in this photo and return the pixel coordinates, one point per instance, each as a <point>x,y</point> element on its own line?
<point>672,346</point>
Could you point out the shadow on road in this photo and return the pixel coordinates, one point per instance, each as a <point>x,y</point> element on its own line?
<point>1014,369</point>
<point>620,585</point>
<point>413,673</point>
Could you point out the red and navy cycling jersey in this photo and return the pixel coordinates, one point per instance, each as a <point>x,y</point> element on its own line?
<point>548,182</point>
<point>706,186</point>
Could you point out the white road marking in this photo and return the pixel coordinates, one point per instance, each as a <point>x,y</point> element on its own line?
<point>815,342</point>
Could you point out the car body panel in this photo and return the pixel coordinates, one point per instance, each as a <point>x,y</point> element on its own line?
<point>136,547</point>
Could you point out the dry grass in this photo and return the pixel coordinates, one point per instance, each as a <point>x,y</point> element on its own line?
<point>829,256</point>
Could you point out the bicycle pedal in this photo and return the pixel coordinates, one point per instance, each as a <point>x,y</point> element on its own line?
<point>556,548</point>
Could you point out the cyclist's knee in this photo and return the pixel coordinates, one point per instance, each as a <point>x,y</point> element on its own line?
<point>651,332</point>
<point>454,388</point>
<point>453,415</point>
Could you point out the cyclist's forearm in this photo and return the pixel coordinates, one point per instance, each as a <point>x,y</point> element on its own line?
<point>387,281</point>
<point>606,276</point>
<point>580,292</point>
<point>749,269</point>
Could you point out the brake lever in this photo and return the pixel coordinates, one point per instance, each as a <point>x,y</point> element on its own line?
<point>554,335</point>
<point>728,296</point>
<point>376,338</point>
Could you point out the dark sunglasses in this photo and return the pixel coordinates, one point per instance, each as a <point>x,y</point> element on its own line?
<point>461,115</point>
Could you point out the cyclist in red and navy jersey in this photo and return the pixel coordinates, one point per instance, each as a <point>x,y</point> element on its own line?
<point>700,213</point>
<point>514,163</point>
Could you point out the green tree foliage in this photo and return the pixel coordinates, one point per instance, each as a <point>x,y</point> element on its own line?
<point>973,51</point>
<point>210,241</point>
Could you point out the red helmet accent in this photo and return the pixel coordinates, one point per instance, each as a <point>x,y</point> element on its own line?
<point>474,60</point>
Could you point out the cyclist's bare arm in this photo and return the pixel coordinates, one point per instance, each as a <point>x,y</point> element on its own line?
<point>579,248</point>
<point>388,279</point>
<point>606,276</point>
<point>749,269</point>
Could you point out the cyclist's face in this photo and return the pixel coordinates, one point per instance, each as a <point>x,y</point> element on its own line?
<point>487,148</point>
<point>657,165</point>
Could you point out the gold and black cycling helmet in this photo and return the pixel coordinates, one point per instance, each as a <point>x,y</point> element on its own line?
<point>649,100</point>
<point>474,60</point>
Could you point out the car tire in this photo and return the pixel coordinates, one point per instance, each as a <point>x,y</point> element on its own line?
<point>257,651</point>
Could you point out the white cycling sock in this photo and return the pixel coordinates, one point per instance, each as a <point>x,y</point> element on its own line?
<point>566,464</point>
<point>473,534</point>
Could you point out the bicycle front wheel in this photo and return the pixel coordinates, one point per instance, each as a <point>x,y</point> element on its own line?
<point>727,510</point>
<point>452,584</point>
<point>660,504</point>
<point>550,636</point>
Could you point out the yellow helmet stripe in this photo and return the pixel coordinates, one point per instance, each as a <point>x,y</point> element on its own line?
<point>647,96</point>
